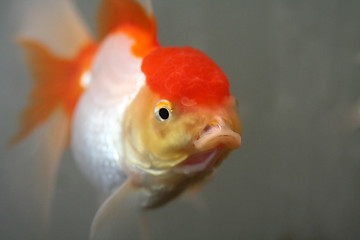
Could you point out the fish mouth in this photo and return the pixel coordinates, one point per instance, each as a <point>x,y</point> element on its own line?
<point>215,141</point>
<point>215,134</point>
<point>199,162</point>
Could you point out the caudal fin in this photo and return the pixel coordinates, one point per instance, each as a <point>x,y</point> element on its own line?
<point>57,83</point>
<point>30,172</point>
<point>59,53</point>
<point>55,24</point>
<point>58,49</point>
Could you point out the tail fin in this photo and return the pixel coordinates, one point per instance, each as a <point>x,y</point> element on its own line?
<point>55,23</point>
<point>58,55</point>
<point>59,50</point>
<point>29,171</point>
<point>57,83</point>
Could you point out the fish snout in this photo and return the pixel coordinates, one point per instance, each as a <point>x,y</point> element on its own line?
<point>218,133</point>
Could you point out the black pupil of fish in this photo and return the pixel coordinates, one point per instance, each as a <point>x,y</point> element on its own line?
<point>164,113</point>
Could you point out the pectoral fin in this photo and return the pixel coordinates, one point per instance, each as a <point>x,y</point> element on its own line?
<point>118,217</point>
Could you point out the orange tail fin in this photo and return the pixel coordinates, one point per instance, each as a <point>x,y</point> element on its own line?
<point>57,83</point>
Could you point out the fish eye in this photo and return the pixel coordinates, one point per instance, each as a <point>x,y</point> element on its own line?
<point>163,110</point>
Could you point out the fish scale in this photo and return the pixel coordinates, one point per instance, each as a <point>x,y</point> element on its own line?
<point>94,151</point>
<point>97,128</point>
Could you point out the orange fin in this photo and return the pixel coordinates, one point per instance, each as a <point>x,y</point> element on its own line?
<point>57,83</point>
<point>132,17</point>
<point>57,70</point>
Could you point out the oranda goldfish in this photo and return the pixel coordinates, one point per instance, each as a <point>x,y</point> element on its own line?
<point>144,122</point>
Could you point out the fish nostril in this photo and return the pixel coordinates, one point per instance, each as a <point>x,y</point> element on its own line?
<point>210,128</point>
<point>207,128</point>
<point>211,125</point>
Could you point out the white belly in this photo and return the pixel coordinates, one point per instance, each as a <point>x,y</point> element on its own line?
<point>97,131</point>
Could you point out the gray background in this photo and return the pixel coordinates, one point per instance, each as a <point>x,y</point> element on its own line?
<point>294,67</point>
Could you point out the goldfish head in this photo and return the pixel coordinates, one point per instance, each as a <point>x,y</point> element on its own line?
<point>183,122</point>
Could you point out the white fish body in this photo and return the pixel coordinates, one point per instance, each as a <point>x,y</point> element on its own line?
<point>97,135</point>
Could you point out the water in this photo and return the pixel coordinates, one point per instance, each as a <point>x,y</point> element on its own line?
<point>294,67</point>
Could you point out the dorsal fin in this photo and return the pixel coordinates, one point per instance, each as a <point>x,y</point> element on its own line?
<point>134,18</point>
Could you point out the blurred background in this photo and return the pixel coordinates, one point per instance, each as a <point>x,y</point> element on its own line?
<point>294,66</point>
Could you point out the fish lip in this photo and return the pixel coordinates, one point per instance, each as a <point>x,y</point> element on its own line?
<point>218,135</point>
<point>199,162</point>
<point>213,142</point>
